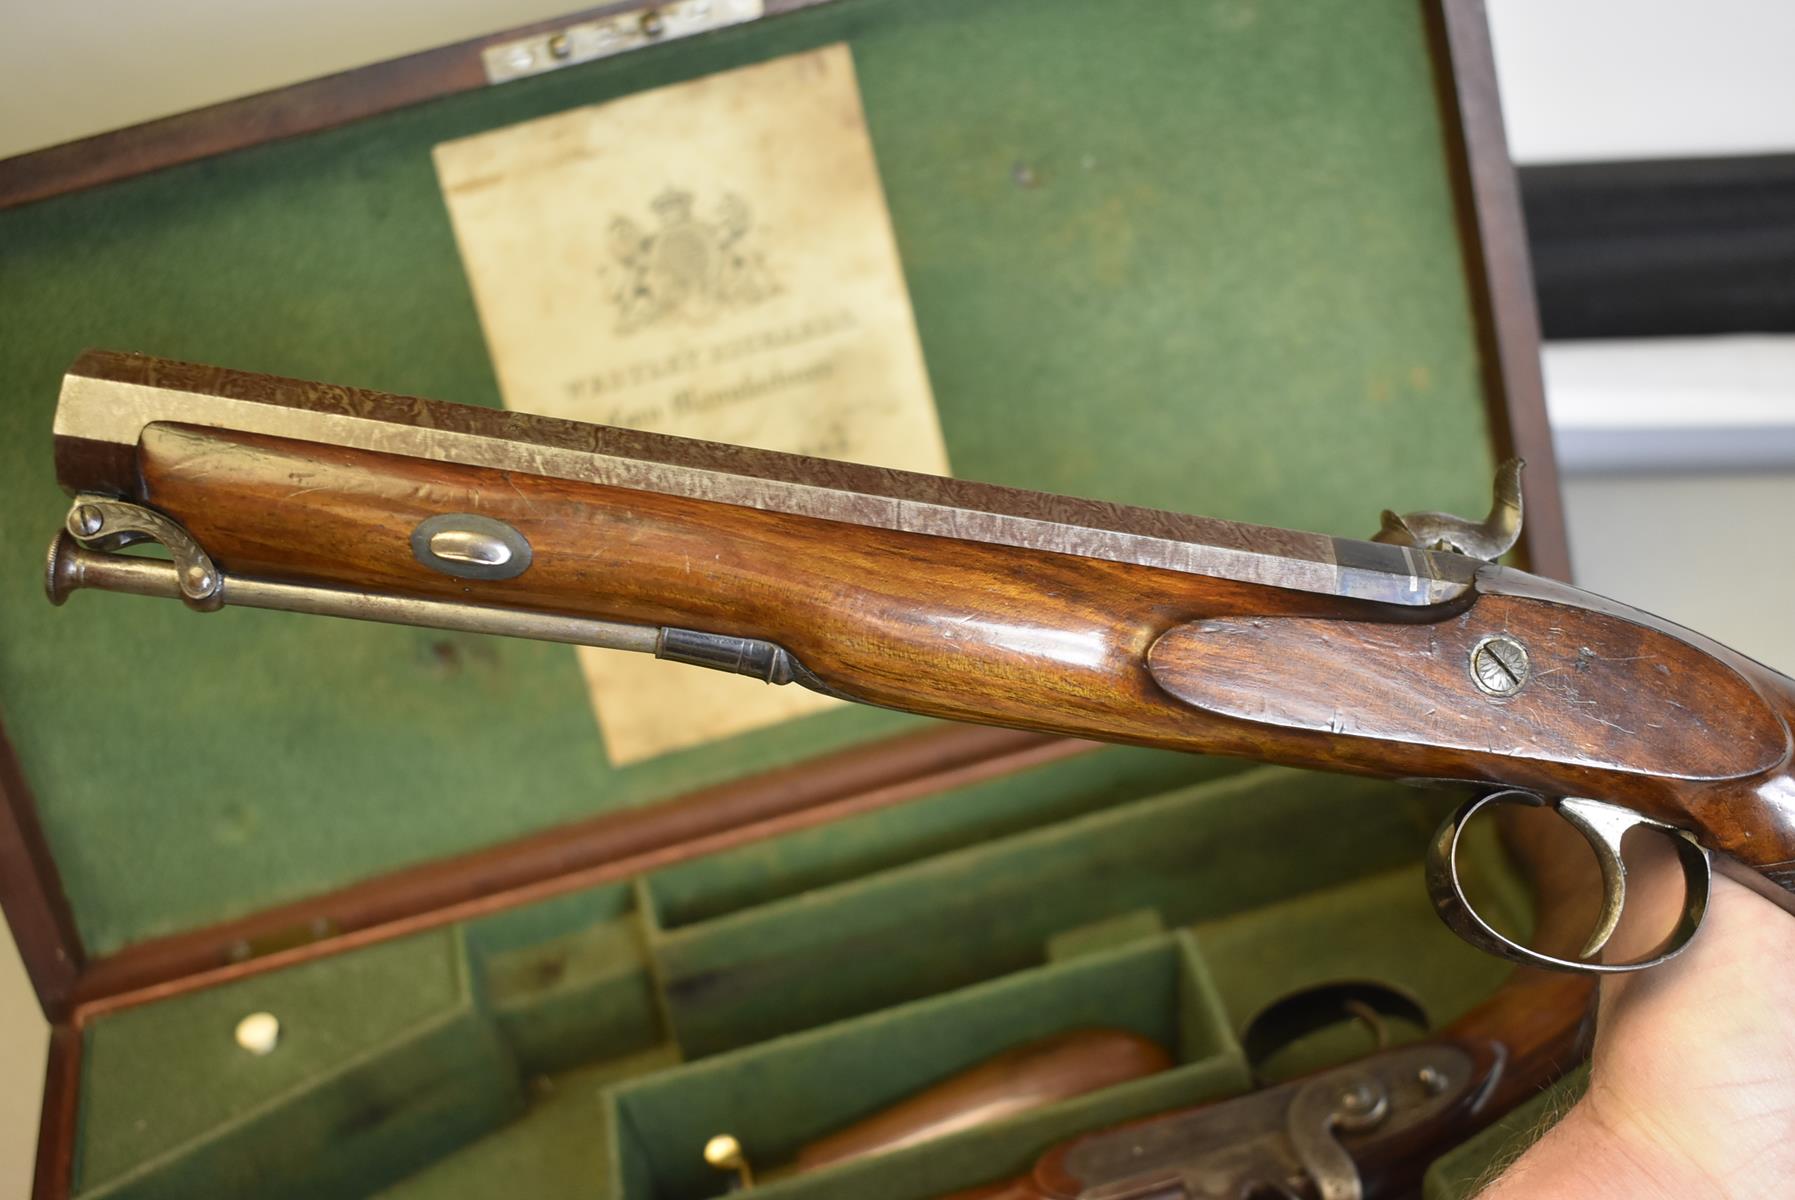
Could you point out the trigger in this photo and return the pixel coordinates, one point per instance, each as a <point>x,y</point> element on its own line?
<point>1602,826</point>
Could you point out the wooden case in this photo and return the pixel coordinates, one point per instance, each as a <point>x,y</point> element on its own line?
<point>1292,289</point>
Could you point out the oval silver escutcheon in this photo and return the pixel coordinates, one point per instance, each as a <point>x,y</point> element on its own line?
<point>469,546</point>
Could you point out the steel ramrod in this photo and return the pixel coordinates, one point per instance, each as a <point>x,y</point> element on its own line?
<point>1413,655</point>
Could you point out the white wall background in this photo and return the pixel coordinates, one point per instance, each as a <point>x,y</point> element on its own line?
<point>1614,79</point>
<point>77,67</point>
<point>1585,79</point>
<point>1610,79</point>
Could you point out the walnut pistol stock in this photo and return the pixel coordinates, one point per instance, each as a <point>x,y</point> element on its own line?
<point>1398,657</point>
<point>1340,1134</point>
<point>1360,1131</point>
<point>1020,1080</point>
<point>1023,1079</point>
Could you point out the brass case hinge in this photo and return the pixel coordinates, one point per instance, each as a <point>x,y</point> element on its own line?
<point>292,937</point>
<point>615,34</point>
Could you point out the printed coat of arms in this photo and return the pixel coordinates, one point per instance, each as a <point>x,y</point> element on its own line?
<point>687,268</point>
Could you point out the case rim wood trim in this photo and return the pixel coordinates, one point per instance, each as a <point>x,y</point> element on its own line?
<point>1490,217</point>
<point>70,988</point>
<point>31,893</point>
<point>326,102</point>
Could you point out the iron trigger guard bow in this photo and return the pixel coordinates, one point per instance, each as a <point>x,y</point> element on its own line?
<point>1603,826</point>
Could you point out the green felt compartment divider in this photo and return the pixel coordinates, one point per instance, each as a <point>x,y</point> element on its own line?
<point>1217,847</point>
<point>387,1059</point>
<point>777,1096</point>
<point>578,998</point>
<point>569,979</point>
<point>558,1150</point>
<point>649,922</point>
<point>756,874</point>
<point>1105,934</point>
<point>545,920</point>
<point>1381,930</point>
<point>400,1054</point>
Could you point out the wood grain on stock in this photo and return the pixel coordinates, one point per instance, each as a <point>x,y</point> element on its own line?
<point>1017,1081</point>
<point>1050,642</point>
<point>974,631</point>
<point>1670,709</point>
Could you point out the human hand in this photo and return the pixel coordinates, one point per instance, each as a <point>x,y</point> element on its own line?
<point>1692,1084</point>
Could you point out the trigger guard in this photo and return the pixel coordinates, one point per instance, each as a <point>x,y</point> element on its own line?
<point>1450,901</point>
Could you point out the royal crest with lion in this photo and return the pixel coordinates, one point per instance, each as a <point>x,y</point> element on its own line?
<point>688,268</point>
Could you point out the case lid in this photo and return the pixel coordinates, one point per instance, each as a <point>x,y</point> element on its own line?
<point>1245,280</point>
